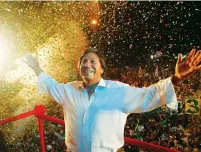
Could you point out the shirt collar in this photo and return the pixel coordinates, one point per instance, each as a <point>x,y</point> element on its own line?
<point>102,83</point>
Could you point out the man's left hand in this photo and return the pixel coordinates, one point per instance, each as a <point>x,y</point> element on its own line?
<point>185,68</point>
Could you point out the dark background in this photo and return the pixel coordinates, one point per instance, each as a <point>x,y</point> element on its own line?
<point>133,31</point>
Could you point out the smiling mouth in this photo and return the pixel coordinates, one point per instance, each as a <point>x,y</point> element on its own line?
<point>88,71</point>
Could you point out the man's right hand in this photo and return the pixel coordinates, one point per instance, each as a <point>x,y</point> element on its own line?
<point>32,62</point>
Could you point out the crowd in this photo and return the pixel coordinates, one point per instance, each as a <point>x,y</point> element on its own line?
<point>163,126</point>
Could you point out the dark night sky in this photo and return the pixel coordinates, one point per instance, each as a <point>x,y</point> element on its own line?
<point>133,31</point>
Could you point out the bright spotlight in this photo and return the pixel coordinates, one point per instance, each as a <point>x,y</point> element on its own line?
<point>94,22</point>
<point>5,51</point>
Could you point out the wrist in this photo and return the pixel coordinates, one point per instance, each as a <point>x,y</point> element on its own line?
<point>37,70</point>
<point>175,80</point>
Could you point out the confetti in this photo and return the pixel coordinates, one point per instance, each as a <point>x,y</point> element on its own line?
<point>128,33</point>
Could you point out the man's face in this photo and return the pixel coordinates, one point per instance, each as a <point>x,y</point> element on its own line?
<point>90,68</point>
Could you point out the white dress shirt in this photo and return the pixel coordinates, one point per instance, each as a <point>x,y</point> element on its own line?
<point>97,125</point>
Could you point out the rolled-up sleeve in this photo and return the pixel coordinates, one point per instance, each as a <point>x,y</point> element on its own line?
<point>49,86</point>
<point>137,100</point>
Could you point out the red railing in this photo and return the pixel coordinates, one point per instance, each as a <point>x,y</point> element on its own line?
<point>39,112</point>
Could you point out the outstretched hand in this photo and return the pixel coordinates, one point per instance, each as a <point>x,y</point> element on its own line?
<point>187,67</point>
<point>31,60</point>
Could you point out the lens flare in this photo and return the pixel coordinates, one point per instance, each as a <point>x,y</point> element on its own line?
<point>3,51</point>
<point>94,22</point>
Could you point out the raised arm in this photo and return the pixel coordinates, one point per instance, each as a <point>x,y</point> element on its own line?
<point>32,62</point>
<point>45,83</point>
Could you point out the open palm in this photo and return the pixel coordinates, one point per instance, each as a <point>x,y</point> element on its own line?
<point>185,68</point>
<point>31,60</point>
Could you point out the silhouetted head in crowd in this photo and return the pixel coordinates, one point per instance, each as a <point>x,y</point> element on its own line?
<point>3,147</point>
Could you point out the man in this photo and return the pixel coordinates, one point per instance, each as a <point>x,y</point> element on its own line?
<point>95,110</point>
